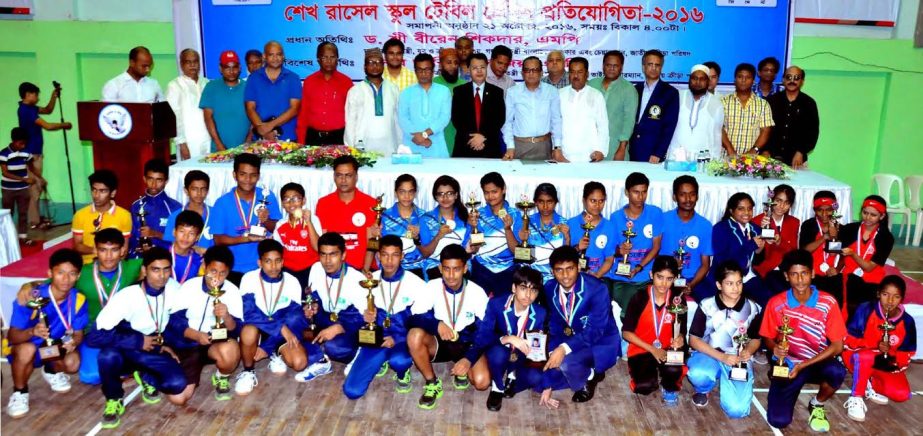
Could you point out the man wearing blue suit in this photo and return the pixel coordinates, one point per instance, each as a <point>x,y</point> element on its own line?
<point>658,112</point>
<point>581,329</point>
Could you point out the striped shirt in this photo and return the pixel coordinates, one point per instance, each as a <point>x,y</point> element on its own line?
<point>495,255</point>
<point>17,163</point>
<point>816,323</point>
<point>743,123</point>
<point>403,80</point>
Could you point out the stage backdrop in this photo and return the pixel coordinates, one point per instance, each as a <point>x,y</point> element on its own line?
<point>687,31</point>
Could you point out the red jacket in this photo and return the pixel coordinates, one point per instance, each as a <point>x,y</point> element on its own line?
<point>773,253</point>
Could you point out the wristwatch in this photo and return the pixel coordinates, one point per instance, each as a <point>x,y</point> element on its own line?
<point>424,134</point>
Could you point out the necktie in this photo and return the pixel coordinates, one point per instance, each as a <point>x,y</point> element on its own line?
<point>477,108</point>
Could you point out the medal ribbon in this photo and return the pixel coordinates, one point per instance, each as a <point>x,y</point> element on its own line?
<point>100,289</point>
<point>188,266</point>
<point>159,317</point>
<point>820,229</point>
<point>70,313</point>
<point>453,313</point>
<point>658,324</point>
<point>568,308</point>
<point>333,304</point>
<point>859,242</point>
<point>271,309</point>
<point>393,294</point>
<point>521,330</point>
<point>245,220</point>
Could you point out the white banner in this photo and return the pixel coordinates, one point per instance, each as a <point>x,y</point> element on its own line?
<point>881,13</point>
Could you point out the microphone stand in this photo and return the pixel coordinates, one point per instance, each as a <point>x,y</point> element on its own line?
<point>67,155</point>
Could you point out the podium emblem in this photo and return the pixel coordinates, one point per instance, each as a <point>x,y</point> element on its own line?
<point>115,121</point>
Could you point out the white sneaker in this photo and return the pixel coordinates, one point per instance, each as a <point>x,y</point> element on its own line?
<point>873,396</point>
<point>245,383</point>
<point>58,381</point>
<point>277,365</point>
<point>18,405</point>
<point>349,366</point>
<point>855,408</point>
<point>314,371</point>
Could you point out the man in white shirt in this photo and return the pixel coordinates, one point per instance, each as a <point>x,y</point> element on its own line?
<point>183,94</point>
<point>701,116</point>
<point>585,125</point>
<point>371,109</point>
<point>134,85</point>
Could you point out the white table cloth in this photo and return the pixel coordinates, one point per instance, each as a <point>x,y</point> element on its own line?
<point>10,252</point>
<point>522,178</point>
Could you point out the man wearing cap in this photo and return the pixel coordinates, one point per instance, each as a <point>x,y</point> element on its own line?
<point>273,96</point>
<point>323,100</point>
<point>701,117</point>
<point>222,105</point>
<point>449,77</point>
<point>183,94</point>
<point>371,109</point>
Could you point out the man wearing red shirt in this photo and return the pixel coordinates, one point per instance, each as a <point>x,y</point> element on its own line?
<point>348,212</point>
<point>323,100</point>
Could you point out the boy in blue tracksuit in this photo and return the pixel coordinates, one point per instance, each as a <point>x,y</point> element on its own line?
<point>157,207</point>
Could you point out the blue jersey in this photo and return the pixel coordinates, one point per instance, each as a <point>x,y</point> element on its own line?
<point>602,245</point>
<point>429,228</point>
<point>695,236</point>
<point>70,314</point>
<point>647,226</point>
<point>206,239</point>
<point>157,210</point>
<point>185,267</point>
<point>393,223</point>
<point>233,217</point>
<point>544,238</point>
<point>495,254</point>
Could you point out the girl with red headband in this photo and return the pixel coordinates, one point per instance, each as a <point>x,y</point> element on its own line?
<point>815,235</point>
<point>866,246</point>
<point>785,228</point>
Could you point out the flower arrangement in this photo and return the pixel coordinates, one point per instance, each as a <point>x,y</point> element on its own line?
<point>755,166</point>
<point>292,153</point>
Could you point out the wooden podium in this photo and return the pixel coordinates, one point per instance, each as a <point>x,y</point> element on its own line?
<point>125,136</point>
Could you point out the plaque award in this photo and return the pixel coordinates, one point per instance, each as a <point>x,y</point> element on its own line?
<point>767,232</point>
<point>624,266</point>
<point>51,349</point>
<point>371,334</point>
<point>372,244</point>
<point>218,333</point>
<point>780,370</point>
<point>883,361</point>
<point>524,253</point>
<point>476,238</point>
<point>587,227</point>
<point>676,356</point>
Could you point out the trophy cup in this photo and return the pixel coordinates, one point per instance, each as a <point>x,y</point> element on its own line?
<point>306,302</point>
<point>833,246</point>
<point>739,371</point>
<point>624,267</point>
<point>680,254</point>
<point>678,307</point>
<point>780,370</point>
<point>372,244</point>
<point>476,239</point>
<point>883,361</point>
<point>767,232</point>
<point>144,242</point>
<point>587,227</point>
<point>371,334</point>
<point>51,349</point>
<point>219,332</point>
<point>258,229</point>
<point>524,253</point>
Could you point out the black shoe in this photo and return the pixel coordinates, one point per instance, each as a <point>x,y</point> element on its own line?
<point>494,401</point>
<point>510,390</point>
<point>582,396</point>
<point>598,378</point>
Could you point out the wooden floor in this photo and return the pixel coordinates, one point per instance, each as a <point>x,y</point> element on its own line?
<point>281,406</point>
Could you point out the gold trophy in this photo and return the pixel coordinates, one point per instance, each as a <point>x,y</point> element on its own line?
<point>587,227</point>
<point>524,253</point>
<point>476,239</point>
<point>307,302</point>
<point>219,332</point>
<point>144,242</point>
<point>739,371</point>
<point>624,267</point>
<point>371,334</point>
<point>780,370</point>
<point>883,361</point>
<point>680,253</point>
<point>676,356</point>
<point>833,246</point>
<point>52,349</point>
<point>767,232</point>
<point>372,244</point>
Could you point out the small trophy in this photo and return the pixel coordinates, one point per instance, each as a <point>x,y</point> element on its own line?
<point>52,349</point>
<point>678,307</point>
<point>144,242</point>
<point>97,223</point>
<point>739,371</point>
<point>371,334</point>
<point>476,239</point>
<point>680,254</point>
<point>833,246</point>
<point>524,253</point>
<point>307,302</point>
<point>218,333</point>
<point>883,361</point>
<point>780,370</point>
<point>372,244</point>
<point>767,232</point>
<point>624,267</point>
<point>587,227</point>
<point>258,229</point>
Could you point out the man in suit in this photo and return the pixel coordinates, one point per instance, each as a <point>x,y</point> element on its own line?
<point>582,334</point>
<point>478,117</point>
<point>657,114</point>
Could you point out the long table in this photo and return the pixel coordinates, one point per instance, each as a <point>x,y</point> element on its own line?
<point>521,179</point>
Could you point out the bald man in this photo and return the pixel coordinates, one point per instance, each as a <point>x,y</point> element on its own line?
<point>273,97</point>
<point>134,85</point>
<point>183,94</point>
<point>797,122</point>
<point>557,76</point>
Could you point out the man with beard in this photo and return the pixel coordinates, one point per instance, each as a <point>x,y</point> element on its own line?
<point>323,96</point>
<point>183,94</point>
<point>371,109</point>
<point>701,116</point>
<point>464,46</point>
<point>621,103</point>
<point>478,114</point>
<point>797,123</point>
<point>448,77</point>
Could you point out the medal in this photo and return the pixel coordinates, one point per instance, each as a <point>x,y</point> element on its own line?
<point>513,357</point>
<point>334,317</point>
<point>387,323</point>
<point>270,310</point>
<point>393,297</point>
<point>333,302</point>
<point>568,331</point>
<point>101,289</point>
<point>555,230</point>
<point>663,317</point>
<point>657,343</point>
<point>568,306</point>
<point>824,267</point>
<point>453,314</point>
<point>408,234</point>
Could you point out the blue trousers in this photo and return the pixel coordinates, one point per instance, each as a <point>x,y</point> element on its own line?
<point>784,394</point>
<point>498,361</point>
<point>705,372</point>
<point>159,369</point>
<point>498,283</point>
<point>575,369</point>
<point>368,362</point>
<point>89,366</point>
<point>341,348</point>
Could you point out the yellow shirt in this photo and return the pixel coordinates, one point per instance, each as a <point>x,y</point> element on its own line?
<point>404,80</point>
<point>743,123</point>
<point>84,225</point>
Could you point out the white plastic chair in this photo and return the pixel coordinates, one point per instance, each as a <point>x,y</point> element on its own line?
<point>884,184</point>
<point>914,191</point>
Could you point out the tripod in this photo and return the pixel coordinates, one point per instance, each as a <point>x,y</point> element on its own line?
<point>67,154</point>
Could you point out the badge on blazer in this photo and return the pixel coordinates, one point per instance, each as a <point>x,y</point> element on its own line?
<point>358,219</point>
<point>654,112</point>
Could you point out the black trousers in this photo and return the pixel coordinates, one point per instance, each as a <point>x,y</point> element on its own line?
<point>644,370</point>
<point>317,137</point>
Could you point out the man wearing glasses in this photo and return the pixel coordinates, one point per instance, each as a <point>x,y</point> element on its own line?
<point>424,110</point>
<point>478,113</point>
<point>659,111</point>
<point>621,103</point>
<point>371,109</point>
<point>533,116</point>
<point>348,211</point>
<point>796,119</point>
<point>323,96</point>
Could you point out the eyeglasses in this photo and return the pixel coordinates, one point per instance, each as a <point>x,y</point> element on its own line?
<point>373,62</point>
<point>531,70</point>
<point>793,77</point>
<point>423,70</point>
<point>446,194</point>
<point>292,199</point>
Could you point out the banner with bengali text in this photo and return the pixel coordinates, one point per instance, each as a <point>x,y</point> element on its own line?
<point>687,31</point>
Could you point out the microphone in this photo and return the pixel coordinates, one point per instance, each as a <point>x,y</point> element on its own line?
<point>57,86</point>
